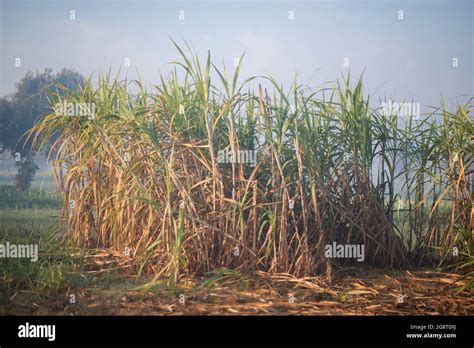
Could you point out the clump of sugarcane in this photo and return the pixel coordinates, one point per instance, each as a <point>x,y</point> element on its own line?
<point>146,174</point>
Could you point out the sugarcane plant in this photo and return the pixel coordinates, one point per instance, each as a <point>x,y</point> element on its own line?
<point>146,173</point>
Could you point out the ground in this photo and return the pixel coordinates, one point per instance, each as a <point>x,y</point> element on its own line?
<point>375,293</point>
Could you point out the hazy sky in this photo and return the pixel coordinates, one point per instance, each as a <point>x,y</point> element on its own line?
<point>408,59</point>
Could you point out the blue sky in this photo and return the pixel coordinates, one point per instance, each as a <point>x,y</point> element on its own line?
<point>409,59</point>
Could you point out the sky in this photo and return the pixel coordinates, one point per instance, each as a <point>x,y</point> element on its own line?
<point>406,55</point>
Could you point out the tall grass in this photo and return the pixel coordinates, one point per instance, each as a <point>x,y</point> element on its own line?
<point>144,174</point>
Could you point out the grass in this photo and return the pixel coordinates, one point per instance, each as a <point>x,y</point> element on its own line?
<point>61,270</point>
<point>11,198</point>
<point>144,175</point>
<point>33,226</point>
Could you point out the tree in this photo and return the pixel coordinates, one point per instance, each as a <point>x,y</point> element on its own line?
<point>19,112</point>
<point>26,172</point>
